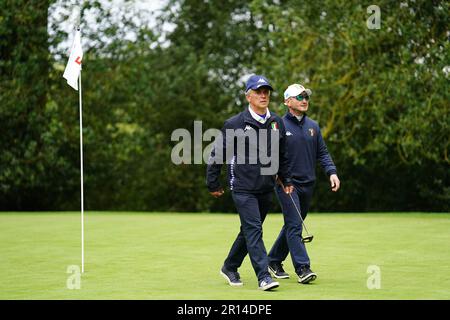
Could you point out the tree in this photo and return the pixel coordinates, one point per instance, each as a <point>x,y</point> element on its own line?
<point>380,95</point>
<point>29,158</point>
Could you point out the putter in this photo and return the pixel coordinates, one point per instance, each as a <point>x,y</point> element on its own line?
<point>309,237</point>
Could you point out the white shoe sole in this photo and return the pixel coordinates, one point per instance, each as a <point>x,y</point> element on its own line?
<point>269,286</point>
<point>309,278</point>
<point>229,281</point>
<point>278,277</point>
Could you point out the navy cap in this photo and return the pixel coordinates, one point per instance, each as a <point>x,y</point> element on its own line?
<point>257,81</point>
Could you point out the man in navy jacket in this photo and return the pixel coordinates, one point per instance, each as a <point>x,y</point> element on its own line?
<point>306,146</point>
<point>249,140</point>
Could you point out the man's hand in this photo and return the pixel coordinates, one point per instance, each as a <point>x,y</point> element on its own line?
<point>288,189</point>
<point>217,193</point>
<point>335,183</point>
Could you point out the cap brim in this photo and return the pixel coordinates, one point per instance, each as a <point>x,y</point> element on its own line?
<point>293,95</point>
<point>262,85</point>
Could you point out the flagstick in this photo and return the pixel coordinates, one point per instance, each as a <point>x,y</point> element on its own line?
<point>81,168</point>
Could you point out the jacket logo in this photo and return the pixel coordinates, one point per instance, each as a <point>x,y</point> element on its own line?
<point>274,125</point>
<point>288,133</point>
<point>248,127</point>
<point>311,132</point>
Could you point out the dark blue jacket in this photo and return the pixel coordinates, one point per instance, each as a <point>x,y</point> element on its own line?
<point>306,146</point>
<point>245,175</point>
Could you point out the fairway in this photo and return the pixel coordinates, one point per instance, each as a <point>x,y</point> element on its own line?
<point>178,256</point>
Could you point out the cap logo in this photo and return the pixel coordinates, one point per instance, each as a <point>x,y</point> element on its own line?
<point>261,80</point>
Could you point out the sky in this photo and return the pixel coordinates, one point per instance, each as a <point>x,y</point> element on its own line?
<point>115,6</point>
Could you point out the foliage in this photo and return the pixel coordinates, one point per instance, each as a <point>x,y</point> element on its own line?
<point>380,95</point>
<point>381,98</point>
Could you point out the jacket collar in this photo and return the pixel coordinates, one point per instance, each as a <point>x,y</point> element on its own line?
<point>248,118</point>
<point>257,117</point>
<point>293,118</point>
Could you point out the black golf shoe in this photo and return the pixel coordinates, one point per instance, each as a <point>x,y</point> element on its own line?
<point>232,277</point>
<point>276,269</point>
<point>306,275</point>
<point>267,284</point>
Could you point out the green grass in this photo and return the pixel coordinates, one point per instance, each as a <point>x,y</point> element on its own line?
<point>178,256</point>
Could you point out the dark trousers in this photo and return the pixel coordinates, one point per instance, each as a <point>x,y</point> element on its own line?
<point>289,239</point>
<point>252,209</point>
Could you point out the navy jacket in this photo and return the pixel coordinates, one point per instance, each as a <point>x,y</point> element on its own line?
<point>306,146</point>
<point>244,175</point>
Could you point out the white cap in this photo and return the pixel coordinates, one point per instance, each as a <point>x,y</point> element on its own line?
<point>294,90</point>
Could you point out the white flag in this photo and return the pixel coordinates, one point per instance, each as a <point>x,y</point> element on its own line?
<point>73,67</point>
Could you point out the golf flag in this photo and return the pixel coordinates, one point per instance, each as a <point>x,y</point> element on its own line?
<point>73,68</point>
<point>72,74</point>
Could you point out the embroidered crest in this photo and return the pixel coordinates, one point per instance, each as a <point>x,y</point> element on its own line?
<point>311,132</point>
<point>274,125</point>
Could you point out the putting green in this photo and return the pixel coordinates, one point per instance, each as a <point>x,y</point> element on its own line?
<point>178,256</point>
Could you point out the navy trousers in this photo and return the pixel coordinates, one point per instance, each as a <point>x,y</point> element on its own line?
<point>289,239</point>
<point>252,209</point>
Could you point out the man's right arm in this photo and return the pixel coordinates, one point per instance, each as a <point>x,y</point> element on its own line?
<point>215,162</point>
<point>284,171</point>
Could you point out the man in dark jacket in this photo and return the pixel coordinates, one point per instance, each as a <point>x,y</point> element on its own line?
<point>306,146</point>
<point>253,143</point>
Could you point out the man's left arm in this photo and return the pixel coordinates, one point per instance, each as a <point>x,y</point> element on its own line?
<point>325,160</point>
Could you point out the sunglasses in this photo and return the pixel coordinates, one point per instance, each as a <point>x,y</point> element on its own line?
<point>301,97</point>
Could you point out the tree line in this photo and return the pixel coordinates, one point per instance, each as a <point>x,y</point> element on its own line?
<point>380,96</point>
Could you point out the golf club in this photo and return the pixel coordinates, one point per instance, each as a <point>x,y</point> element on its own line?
<point>308,237</point>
